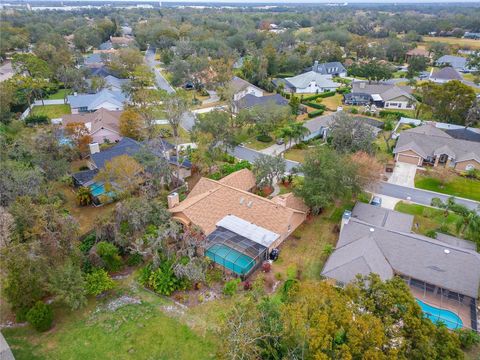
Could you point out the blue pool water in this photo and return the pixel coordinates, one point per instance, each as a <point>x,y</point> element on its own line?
<point>449,318</point>
<point>97,189</point>
<point>231,259</point>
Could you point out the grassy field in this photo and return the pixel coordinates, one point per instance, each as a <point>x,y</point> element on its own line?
<point>136,331</point>
<point>466,43</point>
<point>429,218</point>
<point>459,186</point>
<point>52,111</point>
<point>295,154</point>
<point>333,102</point>
<point>60,94</point>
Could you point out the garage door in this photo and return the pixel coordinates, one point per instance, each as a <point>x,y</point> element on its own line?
<point>409,159</point>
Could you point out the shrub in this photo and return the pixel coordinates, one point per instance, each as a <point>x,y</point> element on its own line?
<point>40,316</point>
<point>343,90</point>
<point>134,259</point>
<point>327,94</point>
<point>266,267</point>
<point>353,111</point>
<point>87,243</point>
<point>109,255</point>
<point>431,234</point>
<point>164,281</point>
<point>316,105</point>
<point>395,114</point>
<point>231,287</point>
<point>264,138</point>
<point>84,196</point>
<point>98,281</point>
<point>328,249</point>
<point>468,338</point>
<point>37,119</point>
<point>247,285</point>
<point>213,275</point>
<point>315,113</point>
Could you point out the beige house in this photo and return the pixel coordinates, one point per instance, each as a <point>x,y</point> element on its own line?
<point>239,225</point>
<point>429,145</point>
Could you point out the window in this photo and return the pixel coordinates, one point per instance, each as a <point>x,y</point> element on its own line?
<point>392,104</point>
<point>469,167</point>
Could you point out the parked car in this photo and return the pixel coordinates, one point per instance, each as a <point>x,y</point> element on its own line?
<point>376,201</point>
<point>274,254</point>
<point>280,141</point>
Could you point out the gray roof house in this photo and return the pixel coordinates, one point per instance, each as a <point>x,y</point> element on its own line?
<point>310,82</point>
<point>107,99</point>
<point>457,62</point>
<point>249,101</point>
<point>378,240</point>
<point>428,144</point>
<point>444,75</point>
<point>334,68</point>
<point>241,87</point>
<point>389,96</point>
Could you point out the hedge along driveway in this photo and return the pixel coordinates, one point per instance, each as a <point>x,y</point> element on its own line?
<point>459,186</point>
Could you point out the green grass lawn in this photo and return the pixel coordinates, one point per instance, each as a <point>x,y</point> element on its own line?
<point>459,186</point>
<point>52,111</point>
<point>295,154</point>
<point>60,94</point>
<point>138,331</point>
<point>253,143</point>
<point>429,218</point>
<point>333,102</point>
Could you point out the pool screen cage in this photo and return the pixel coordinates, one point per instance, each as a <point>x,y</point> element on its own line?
<point>234,252</point>
<point>443,298</point>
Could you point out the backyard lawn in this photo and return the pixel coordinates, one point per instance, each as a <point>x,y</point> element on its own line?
<point>459,186</point>
<point>333,102</point>
<point>59,95</point>
<point>429,218</point>
<point>52,111</point>
<point>134,331</point>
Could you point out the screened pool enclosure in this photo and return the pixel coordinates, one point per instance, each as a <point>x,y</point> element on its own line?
<point>234,252</point>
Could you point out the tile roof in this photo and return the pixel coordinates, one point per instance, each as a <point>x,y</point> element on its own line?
<point>241,179</point>
<point>365,247</point>
<point>428,140</point>
<point>250,100</point>
<point>210,201</point>
<point>303,80</point>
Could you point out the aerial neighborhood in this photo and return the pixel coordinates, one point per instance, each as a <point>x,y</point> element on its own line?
<point>239,182</point>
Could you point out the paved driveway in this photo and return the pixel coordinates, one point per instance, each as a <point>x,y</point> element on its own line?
<point>403,174</point>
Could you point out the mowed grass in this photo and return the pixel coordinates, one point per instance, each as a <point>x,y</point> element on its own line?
<point>52,111</point>
<point>296,154</point>
<point>59,95</point>
<point>470,43</point>
<point>138,331</point>
<point>333,102</point>
<point>459,186</point>
<point>429,218</point>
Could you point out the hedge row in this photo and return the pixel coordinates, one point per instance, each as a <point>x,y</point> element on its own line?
<point>315,105</point>
<point>320,95</point>
<point>315,113</point>
<point>397,114</point>
<point>343,90</point>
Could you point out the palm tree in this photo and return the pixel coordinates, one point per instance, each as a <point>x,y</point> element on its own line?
<point>469,224</point>
<point>299,131</point>
<point>84,196</point>
<point>287,134</point>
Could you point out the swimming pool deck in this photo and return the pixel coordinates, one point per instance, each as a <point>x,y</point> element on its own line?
<point>462,310</point>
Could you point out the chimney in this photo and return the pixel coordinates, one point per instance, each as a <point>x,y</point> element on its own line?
<point>173,200</point>
<point>281,200</point>
<point>315,66</point>
<point>362,85</point>
<point>94,148</point>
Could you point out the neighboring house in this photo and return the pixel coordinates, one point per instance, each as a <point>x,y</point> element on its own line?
<point>114,83</point>
<point>472,35</point>
<point>417,52</point>
<point>127,30</point>
<point>320,126</point>
<point>107,99</point>
<point>101,71</point>
<point>107,45</point>
<point>249,101</point>
<point>310,82</point>
<point>238,224</point>
<point>443,272</point>
<point>457,62</point>
<point>331,68</point>
<point>103,124</point>
<point>95,60</point>
<point>388,96</point>
<point>444,75</point>
<point>121,41</point>
<point>242,87</point>
<point>429,145</point>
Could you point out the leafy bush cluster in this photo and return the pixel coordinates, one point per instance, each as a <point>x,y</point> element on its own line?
<point>97,282</point>
<point>227,169</point>
<point>231,287</point>
<point>316,96</point>
<point>40,316</point>
<point>315,113</point>
<point>162,280</point>
<point>109,255</point>
<point>396,114</point>
<point>344,90</point>
<point>264,138</point>
<point>316,105</point>
<point>37,120</point>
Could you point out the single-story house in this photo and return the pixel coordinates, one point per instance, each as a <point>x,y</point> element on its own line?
<point>320,126</point>
<point>445,75</point>
<point>103,124</point>
<point>127,30</point>
<point>121,41</point>
<point>95,60</point>
<point>250,101</point>
<point>242,87</point>
<point>457,62</point>
<point>429,145</point>
<point>114,83</point>
<point>382,95</point>
<point>334,68</point>
<point>472,35</point>
<point>241,227</point>
<point>417,52</point>
<point>443,272</point>
<point>310,82</point>
<point>108,99</point>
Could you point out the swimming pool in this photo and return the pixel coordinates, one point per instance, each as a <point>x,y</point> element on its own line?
<point>449,318</point>
<point>231,259</point>
<point>98,188</point>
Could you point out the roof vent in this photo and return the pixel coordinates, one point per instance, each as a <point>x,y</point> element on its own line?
<point>242,200</point>
<point>372,230</point>
<point>446,251</point>
<point>249,204</point>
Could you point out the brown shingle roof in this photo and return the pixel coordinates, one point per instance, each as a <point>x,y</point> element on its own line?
<point>210,201</point>
<point>242,179</point>
<point>102,118</point>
